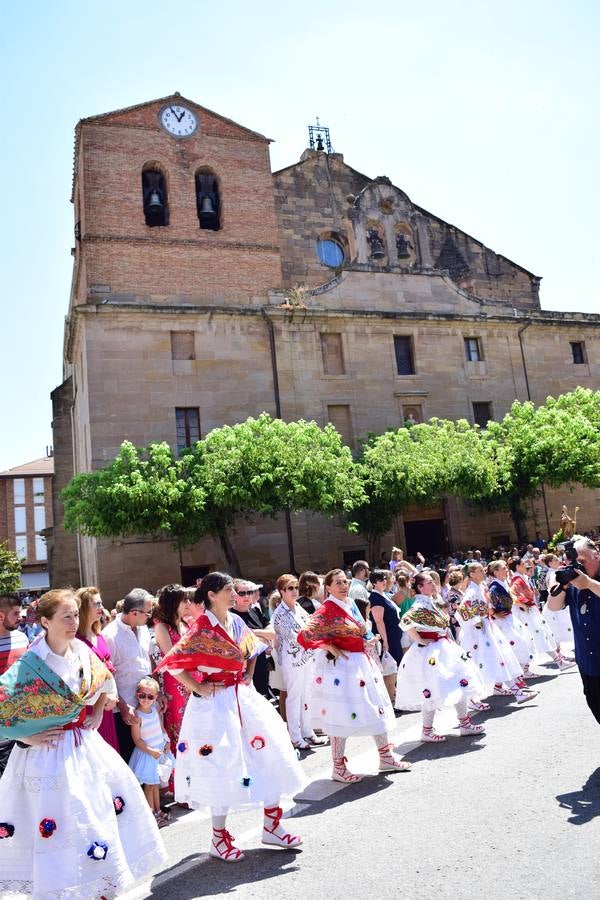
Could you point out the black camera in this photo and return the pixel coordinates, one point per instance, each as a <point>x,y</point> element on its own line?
<point>566,574</point>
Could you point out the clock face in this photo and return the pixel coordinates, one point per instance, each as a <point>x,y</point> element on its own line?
<point>178,120</point>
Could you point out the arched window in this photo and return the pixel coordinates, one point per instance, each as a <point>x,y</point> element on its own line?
<point>154,195</point>
<point>208,200</point>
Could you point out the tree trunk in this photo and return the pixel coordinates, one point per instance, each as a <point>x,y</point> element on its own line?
<point>229,553</point>
<point>518,515</point>
<point>374,550</point>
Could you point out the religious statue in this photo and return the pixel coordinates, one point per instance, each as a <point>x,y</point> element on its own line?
<point>568,524</point>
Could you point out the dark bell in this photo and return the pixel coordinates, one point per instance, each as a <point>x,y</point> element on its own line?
<point>155,204</point>
<point>208,214</point>
<point>378,252</point>
<point>320,143</point>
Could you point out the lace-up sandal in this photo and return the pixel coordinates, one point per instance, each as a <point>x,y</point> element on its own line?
<point>428,734</point>
<point>468,728</point>
<point>389,762</point>
<point>341,773</point>
<point>479,705</point>
<point>222,846</point>
<point>276,836</point>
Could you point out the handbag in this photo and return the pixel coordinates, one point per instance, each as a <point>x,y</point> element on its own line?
<point>165,767</point>
<point>388,664</point>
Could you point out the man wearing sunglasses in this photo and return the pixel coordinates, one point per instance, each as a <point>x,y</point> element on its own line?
<point>128,638</point>
<point>247,607</point>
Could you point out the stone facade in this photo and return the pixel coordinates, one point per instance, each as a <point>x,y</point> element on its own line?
<point>179,318</point>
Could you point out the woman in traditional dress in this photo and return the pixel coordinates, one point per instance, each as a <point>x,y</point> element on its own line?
<point>173,608</point>
<point>485,644</point>
<point>296,663</point>
<point>234,751</point>
<point>75,823</point>
<point>502,606</point>
<point>348,696</point>
<point>435,672</point>
<point>558,620</point>
<point>90,616</point>
<point>527,611</point>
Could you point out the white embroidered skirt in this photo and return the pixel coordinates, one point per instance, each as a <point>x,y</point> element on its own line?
<point>560,625</point>
<point>541,635</point>
<point>348,697</point>
<point>439,672</point>
<point>518,637</point>
<point>62,803</point>
<point>235,757</point>
<point>490,653</point>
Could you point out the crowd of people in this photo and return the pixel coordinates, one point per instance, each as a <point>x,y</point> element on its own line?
<point>207,697</point>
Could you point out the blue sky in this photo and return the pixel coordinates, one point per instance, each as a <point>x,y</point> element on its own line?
<point>484,113</point>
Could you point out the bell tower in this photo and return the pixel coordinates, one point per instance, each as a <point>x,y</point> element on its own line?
<point>172,202</point>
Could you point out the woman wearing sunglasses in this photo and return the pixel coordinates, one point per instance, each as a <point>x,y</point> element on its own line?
<point>295,662</point>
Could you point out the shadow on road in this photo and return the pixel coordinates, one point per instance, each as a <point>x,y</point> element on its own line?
<point>585,803</point>
<point>338,794</point>
<point>214,878</point>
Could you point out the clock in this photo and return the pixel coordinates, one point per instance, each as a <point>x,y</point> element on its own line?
<point>178,121</point>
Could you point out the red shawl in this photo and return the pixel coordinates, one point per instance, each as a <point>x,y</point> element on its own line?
<point>331,625</point>
<point>206,647</point>
<point>524,593</point>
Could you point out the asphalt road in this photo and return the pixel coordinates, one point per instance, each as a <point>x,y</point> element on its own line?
<point>515,814</point>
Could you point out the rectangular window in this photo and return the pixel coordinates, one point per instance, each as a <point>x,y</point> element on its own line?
<point>19,491</point>
<point>404,354</point>
<point>187,419</point>
<point>473,349</point>
<point>339,416</point>
<point>182,345</point>
<point>20,520</point>
<point>38,490</point>
<point>41,551</point>
<point>39,518</point>
<point>21,545</point>
<point>333,354</point>
<point>578,352</point>
<point>482,413</point>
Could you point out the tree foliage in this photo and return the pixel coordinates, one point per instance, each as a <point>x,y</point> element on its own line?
<point>264,466</point>
<point>142,491</point>
<point>556,443</point>
<point>420,465</point>
<point>10,569</point>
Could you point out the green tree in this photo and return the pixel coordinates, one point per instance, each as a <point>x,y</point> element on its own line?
<point>10,570</point>
<point>265,466</point>
<point>259,467</point>
<point>420,465</point>
<point>141,492</point>
<point>555,444</point>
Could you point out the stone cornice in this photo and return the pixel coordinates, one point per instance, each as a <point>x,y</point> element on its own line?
<point>545,317</point>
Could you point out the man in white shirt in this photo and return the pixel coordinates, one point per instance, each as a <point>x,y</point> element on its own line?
<point>128,638</point>
<point>360,576</point>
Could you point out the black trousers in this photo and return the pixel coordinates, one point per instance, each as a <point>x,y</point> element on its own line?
<point>5,751</point>
<point>591,689</point>
<point>126,745</point>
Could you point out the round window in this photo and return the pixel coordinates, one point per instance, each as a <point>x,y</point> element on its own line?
<point>330,253</point>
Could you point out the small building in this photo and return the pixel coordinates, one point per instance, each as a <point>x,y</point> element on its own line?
<point>25,515</point>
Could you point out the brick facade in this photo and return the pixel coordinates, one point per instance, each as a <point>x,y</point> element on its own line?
<point>173,317</point>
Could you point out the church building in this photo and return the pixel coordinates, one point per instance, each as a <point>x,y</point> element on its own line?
<point>207,288</point>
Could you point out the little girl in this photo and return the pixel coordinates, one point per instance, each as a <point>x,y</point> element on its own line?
<point>152,747</point>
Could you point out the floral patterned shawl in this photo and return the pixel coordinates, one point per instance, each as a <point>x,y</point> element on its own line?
<point>33,698</point>
<point>208,646</point>
<point>331,624</point>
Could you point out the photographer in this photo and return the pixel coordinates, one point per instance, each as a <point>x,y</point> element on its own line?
<point>582,595</point>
